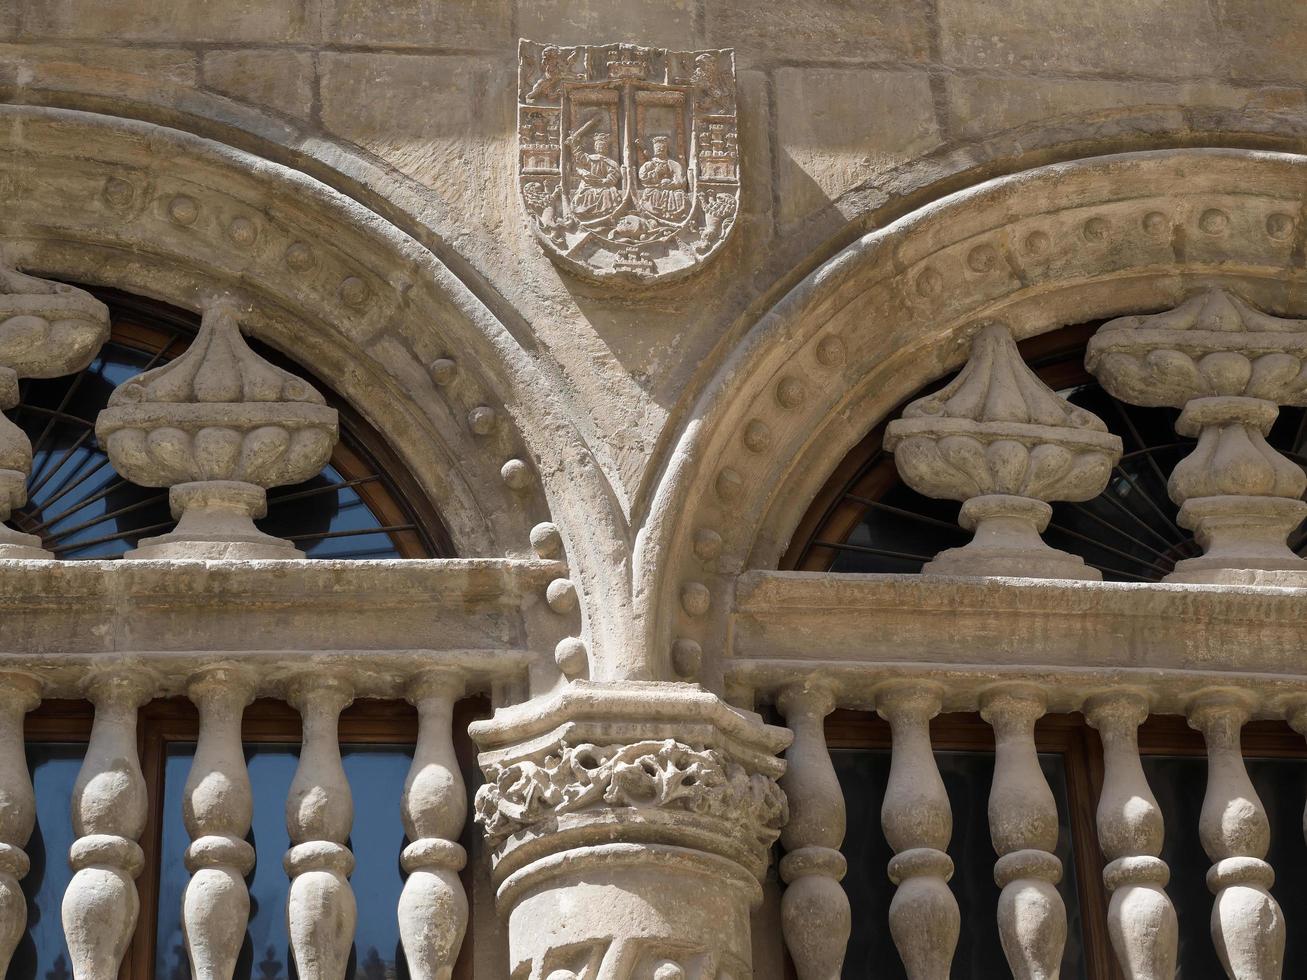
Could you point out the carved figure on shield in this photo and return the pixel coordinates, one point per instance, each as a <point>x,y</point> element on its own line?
<point>598,176</point>
<point>662,182</point>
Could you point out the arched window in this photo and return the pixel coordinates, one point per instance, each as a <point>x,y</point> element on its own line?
<point>866,519</point>
<point>362,505</point>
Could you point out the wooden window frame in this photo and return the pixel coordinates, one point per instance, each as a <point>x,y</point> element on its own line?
<point>266,721</point>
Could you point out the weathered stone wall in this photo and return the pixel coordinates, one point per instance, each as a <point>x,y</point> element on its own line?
<point>851,114</point>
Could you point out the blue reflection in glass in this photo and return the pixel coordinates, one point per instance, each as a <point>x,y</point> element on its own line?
<point>42,953</point>
<point>376,777</point>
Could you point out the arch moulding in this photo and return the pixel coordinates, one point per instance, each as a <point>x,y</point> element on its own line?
<point>106,201</point>
<point>1055,245</point>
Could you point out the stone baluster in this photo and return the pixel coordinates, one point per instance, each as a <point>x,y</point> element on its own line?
<point>1228,367</point>
<point>814,909</point>
<point>918,823</point>
<point>433,906</point>
<point>217,806</point>
<point>19,694</point>
<point>109,810</point>
<point>320,909</point>
<point>1023,824</point>
<point>218,426</point>
<point>46,329</point>
<point>998,439</point>
<point>1247,924</point>
<point>1297,714</point>
<point>1140,917</point>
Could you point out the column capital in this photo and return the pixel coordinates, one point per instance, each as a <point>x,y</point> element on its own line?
<point>643,803</point>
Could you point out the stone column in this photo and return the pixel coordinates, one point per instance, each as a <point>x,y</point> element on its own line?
<point>924,918</point>
<point>46,329</point>
<point>1247,923</point>
<point>217,806</point>
<point>433,906</point>
<point>1140,918</point>
<point>631,825</point>
<point>109,810</point>
<point>320,908</point>
<point>814,909</point>
<point>19,694</point>
<point>1023,823</point>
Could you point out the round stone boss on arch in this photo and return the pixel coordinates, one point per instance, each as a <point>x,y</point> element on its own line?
<point>113,202</point>
<point>1061,244</point>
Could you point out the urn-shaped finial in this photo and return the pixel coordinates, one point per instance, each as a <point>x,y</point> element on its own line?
<point>998,439</point>
<point>219,425</point>
<point>46,329</point>
<point>1228,367</point>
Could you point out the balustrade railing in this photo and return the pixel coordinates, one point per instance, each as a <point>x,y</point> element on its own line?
<point>1247,924</point>
<point>110,810</point>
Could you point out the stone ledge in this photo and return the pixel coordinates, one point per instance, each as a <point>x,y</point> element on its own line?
<point>809,617</point>
<point>138,607</point>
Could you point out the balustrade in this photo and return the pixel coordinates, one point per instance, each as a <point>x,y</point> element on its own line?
<point>320,908</point>
<point>1023,824</point>
<point>918,822</point>
<point>1141,919</point>
<point>109,813</point>
<point>19,694</point>
<point>217,808</point>
<point>1247,924</point>
<point>814,909</point>
<point>433,906</point>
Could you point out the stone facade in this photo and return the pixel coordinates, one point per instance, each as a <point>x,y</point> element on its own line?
<point>621,370</point>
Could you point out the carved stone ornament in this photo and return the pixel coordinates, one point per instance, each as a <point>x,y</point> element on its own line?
<point>628,157</point>
<point>1228,367</point>
<point>998,439</point>
<point>218,426</point>
<point>632,825</point>
<point>662,774</point>
<point>46,329</point>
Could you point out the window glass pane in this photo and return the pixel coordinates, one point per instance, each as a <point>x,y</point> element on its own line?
<point>42,954</point>
<point>863,775</point>
<point>1179,783</point>
<point>376,778</point>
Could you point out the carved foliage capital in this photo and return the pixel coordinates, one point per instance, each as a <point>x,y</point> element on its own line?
<point>655,775</point>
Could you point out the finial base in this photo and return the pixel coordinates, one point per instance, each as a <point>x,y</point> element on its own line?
<point>1007,543</point>
<point>1244,541</point>
<point>216,521</point>
<point>15,544</point>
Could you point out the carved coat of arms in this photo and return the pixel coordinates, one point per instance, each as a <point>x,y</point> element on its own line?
<point>628,157</point>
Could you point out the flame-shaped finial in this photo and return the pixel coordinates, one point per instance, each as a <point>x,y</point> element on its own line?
<point>218,367</point>
<point>997,386</point>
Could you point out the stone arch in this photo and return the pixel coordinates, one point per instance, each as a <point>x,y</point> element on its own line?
<point>107,201</point>
<point>1039,249</point>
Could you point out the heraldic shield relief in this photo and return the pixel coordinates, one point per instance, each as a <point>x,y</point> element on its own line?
<point>628,157</point>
